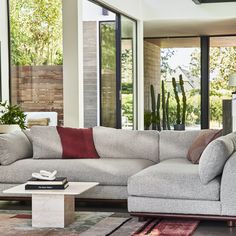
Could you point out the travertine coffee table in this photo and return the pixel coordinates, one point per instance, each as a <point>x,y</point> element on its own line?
<point>53,208</point>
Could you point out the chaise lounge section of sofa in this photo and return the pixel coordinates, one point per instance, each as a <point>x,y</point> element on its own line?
<point>174,186</point>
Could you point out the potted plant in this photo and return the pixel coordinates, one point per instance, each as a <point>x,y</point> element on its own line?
<point>11,118</point>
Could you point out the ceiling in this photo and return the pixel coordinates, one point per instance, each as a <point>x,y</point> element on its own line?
<point>192,27</point>
<point>166,18</point>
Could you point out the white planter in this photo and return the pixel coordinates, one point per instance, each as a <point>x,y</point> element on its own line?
<point>8,128</point>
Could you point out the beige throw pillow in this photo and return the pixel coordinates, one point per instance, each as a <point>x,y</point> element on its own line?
<point>200,143</point>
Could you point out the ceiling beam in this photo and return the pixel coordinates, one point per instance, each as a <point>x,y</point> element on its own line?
<point>211,1</point>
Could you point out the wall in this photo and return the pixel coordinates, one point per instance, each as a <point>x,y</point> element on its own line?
<point>152,72</point>
<point>90,73</point>
<point>38,88</point>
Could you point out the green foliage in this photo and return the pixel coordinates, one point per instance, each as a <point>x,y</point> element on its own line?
<point>158,120</point>
<point>222,64</point>
<point>12,114</point>
<point>36,32</point>
<point>163,105</point>
<point>184,102</point>
<point>167,111</point>
<point>127,88</point>
<point>166,54</point>
<point>147,119</point>
<point>108,46</point>
<point>127,66</point>
<point>153,106</point>
<point>177,101</point>
<point>127,106</point>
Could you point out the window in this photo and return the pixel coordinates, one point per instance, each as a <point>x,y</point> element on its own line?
<point>164,59</point>
<point>222,64</point>
<point>36,55</point>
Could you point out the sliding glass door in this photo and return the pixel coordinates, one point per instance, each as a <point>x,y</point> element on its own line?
<point>117,72</point>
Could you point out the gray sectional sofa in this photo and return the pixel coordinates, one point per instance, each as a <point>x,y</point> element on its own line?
<point>150,169</point>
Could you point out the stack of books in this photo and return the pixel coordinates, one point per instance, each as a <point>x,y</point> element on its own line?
<point>38,184</point>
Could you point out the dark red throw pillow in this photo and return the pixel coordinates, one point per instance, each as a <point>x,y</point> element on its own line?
<point>77,143</point>
<point>200,143</point>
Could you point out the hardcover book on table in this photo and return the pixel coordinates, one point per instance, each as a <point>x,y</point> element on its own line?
<point>46,187</point>
<point>56,181</point>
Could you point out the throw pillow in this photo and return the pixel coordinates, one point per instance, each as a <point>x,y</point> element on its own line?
<point>200,143</point>
<point>14,146</point>
<point>62,142</point>
<point>215,156</point>
<point>39,122</point>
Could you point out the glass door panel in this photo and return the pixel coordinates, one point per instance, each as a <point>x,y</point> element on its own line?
<point>108,80</point>
<point>128,71</point>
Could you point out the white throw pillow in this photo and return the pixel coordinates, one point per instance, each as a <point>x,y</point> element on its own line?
<point>214,157</point>
<point>14,146</point>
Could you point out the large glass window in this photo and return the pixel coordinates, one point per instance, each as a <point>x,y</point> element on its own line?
<point>222,64</point>
<point>36,55</point>
<point>168,58</point>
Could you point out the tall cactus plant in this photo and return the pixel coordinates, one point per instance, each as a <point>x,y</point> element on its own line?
<point>153,105</point>
<point>158,120</point>
<point>163,105</point>
<point>178,121</point>
<point>167,111</point>
<point>184,102</point>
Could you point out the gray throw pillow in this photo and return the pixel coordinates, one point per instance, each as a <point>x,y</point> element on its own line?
<point>14,146</point>
<point>214,157</point>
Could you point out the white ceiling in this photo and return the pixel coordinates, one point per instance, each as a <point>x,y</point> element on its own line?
<point>184,18</point>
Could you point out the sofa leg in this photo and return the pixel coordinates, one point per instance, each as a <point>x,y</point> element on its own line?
<point>231,223</point>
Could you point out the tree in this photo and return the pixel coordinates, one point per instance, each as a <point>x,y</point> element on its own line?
<point>36,32</point>
<point>222,64</point>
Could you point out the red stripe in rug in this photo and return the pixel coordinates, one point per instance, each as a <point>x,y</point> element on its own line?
<point>22,216</point>
<point>169,227</point>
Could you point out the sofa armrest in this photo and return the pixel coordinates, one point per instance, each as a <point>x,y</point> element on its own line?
<point>228,187</point>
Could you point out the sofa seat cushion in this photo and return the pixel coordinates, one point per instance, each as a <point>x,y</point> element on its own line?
<point>173,179</point>
<point>105,171</point>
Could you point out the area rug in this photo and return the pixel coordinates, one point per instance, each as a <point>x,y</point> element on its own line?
<point>95,224</point>
<point>167,227</point>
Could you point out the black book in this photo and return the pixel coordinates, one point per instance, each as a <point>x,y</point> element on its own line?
<point>56,181</point>
<point>46,187</point>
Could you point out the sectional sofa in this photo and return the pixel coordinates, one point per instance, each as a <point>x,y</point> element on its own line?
<point>148,168</point>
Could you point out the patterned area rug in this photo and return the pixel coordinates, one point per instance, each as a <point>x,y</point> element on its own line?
<point>95,224</point>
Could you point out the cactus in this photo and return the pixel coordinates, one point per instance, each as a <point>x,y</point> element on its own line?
<point>167,111</point>
<point>163,105</point>
<point>177,100</point>
<point>153,104</point>
<point>184,103</point>
<point>158,120</point>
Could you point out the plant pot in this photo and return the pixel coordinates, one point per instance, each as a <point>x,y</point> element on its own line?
<point>179,127</point>
<point>9,128</point>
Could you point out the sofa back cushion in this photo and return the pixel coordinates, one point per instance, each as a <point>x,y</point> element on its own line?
<point>175,144</point>
<point>214,157</point>
<point>62,142</point>
<point>14,146</point>
<point>118,143</point>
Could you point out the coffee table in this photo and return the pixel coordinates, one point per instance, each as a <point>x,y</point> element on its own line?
<point>53,208</point>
